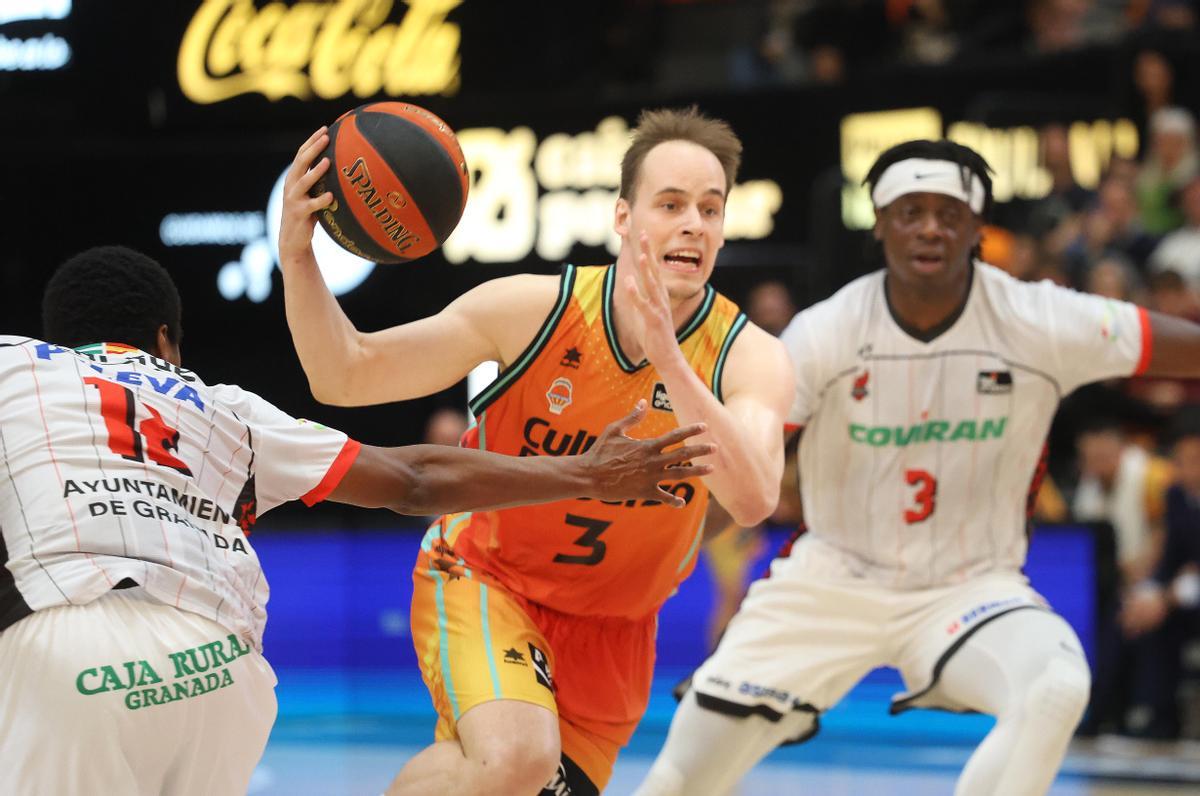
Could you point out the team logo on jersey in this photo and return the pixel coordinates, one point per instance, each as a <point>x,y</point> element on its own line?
<point>859,390</point>
<point>661,399</point>
<point>541,667</point>
<point>994,382</point>
<point>572,358</point>
<point>1110,328</point>
<point>559,395</point>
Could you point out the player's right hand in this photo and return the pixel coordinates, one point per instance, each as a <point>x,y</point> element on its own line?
<point>622,468</point>
<point>299,208</point>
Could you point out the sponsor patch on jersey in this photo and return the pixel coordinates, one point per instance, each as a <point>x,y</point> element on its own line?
<point>513,655</point>
<point>929,431</point>
<point>859,390</point>
<point>559,395</point>
<point>541,667</point>
<point>661,399</point>
<point>990,608</point>
<point>994,382</point>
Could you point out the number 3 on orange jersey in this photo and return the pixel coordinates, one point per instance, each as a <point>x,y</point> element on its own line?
<point>590,540</point>
<point>925,497</point>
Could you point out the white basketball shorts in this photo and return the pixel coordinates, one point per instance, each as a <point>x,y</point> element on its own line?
<point>126,695</point>
<point>807,634</point>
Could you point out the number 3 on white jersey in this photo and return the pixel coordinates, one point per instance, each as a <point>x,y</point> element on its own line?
<point>925,497</point>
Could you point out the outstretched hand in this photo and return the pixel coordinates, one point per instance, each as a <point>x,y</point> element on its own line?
<point>622,468</point>
<point>648,293</point>
<point>299,208</point>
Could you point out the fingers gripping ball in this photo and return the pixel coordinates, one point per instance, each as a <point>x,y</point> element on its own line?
<point>399,182</point>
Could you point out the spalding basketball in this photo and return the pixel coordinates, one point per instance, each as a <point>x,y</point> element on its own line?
<point>399,182</point>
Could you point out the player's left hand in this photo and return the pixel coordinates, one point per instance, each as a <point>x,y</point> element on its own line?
<point>621,468</point>
<point>652,302</point>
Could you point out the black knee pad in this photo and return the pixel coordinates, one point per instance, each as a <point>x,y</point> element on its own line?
<point>570,781</point>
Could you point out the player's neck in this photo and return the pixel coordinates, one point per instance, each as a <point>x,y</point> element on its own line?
<point>628,323</point>
<point>925,311</point>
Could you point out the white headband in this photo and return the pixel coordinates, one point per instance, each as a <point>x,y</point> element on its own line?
<point>918,175</point>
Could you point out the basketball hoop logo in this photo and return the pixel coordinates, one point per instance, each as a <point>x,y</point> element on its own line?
<point>559,395</point>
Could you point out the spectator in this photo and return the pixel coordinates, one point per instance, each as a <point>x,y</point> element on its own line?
<point>1120,485</point>
<point>445,426</point>
<point>1177,15</point>
<point>1113,276</point>
<point>1059,25</point>
<point>1169,294</point>
<point>1180,250</point>
<point>1164,609</point>
<point>1110,225</point>
<point>1154,79</point>
<point>1067,199</point>
<point>769,305</point>
<point>1172,162</point>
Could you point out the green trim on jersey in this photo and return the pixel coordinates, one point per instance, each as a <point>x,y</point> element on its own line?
<point>610,331</point>
<point>739,323</point>
<point>504,380</point>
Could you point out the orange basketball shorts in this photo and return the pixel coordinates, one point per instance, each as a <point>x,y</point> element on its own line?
<point>477,642</point>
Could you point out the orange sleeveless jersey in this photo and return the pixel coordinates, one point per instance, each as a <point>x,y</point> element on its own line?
<point>586,557</point>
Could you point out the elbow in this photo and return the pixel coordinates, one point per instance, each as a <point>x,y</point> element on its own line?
<point>418,490</point>
<point>327,394</point>
<point>331,381</point>
<point>754,506</point>
<point>410,497</point>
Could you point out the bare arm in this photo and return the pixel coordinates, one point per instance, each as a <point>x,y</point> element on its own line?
<point>789,511</point>
<point>1175,347</point>
<point>758,386</point>
<point>346,367</point>
<point>434,479</point>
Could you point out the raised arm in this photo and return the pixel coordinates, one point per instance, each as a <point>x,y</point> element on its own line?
<point>757,387</point>
<point>346,367</point>
<point>435,479</point>
<point>758,390</point>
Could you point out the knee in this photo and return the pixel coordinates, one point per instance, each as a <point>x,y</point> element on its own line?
<point>521,765</point>
<point>1059,693</point>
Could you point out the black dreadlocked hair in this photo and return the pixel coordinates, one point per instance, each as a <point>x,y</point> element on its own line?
<point>944,149</point>
<point>970,161</point>
<point>110,294</point>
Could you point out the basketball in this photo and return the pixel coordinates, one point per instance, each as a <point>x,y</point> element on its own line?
<point>399,182</point>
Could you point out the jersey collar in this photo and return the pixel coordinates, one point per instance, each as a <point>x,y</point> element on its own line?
<point>610,329</point>
<point>934,332</point>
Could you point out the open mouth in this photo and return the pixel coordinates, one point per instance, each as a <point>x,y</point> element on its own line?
<point>928,262</point>
<point>682,260</point>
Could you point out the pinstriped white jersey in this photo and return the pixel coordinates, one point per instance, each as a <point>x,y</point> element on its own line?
<point>115,465</point>
<point>917,457</point>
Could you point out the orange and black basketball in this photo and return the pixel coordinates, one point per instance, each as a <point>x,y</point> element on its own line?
<point>399,182</point>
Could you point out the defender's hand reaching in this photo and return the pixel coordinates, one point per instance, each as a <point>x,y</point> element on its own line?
<point>620,468</point>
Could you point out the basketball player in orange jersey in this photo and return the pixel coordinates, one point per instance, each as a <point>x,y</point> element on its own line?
<point>535,629</point>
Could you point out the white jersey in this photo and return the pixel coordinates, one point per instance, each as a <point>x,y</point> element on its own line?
<point>917,457</point>
<point>117,465</point>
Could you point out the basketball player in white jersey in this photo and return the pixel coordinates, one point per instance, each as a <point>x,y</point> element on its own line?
<point>132,603</point>
<point>925,391</point>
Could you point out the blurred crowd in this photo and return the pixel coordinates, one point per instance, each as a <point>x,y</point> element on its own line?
<point>826,40</point>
